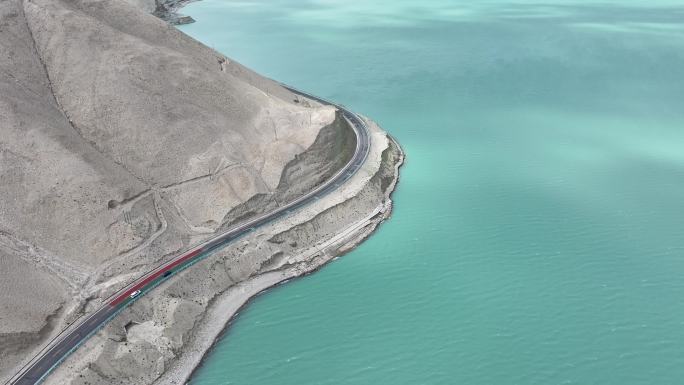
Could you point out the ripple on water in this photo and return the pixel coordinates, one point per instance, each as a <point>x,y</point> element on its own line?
<point>537,232</point>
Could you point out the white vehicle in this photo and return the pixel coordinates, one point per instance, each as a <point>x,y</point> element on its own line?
<point>135,294</point>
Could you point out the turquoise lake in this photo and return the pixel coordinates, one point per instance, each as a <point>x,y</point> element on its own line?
<point>538,232</point>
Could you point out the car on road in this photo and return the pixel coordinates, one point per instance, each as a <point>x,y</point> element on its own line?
<point>135,294</point>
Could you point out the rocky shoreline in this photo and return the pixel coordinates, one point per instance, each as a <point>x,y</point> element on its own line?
<point>167,10</point>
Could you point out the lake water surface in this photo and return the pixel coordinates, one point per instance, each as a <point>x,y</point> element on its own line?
<point>538,233</point>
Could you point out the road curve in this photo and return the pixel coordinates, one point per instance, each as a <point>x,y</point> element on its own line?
<point>71,338</point>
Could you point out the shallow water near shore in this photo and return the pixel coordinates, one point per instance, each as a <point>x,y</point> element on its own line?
<point>537,233</point>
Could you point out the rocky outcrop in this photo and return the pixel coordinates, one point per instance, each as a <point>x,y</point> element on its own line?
<point>166,10</point>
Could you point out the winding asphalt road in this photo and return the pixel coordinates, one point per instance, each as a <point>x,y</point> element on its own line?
<point>70,339</point>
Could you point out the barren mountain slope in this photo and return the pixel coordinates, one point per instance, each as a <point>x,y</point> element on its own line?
<point>122,141</point>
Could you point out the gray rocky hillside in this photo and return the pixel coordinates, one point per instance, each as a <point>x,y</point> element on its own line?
<point>123,141</point>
